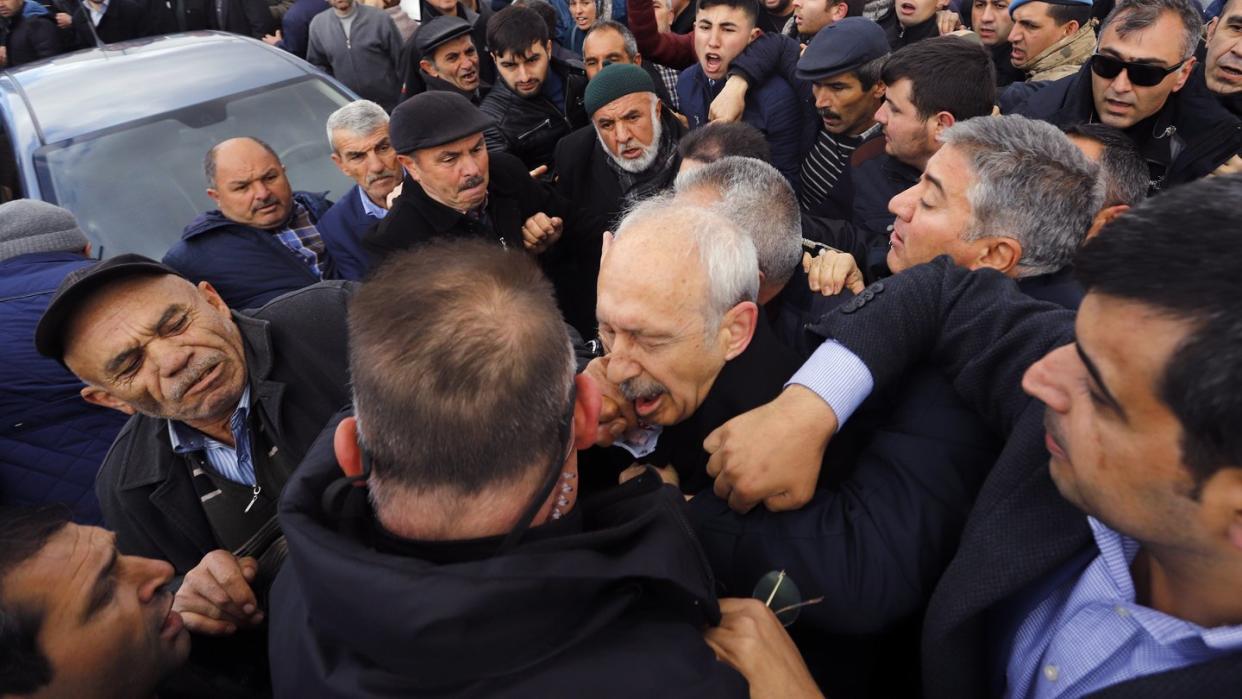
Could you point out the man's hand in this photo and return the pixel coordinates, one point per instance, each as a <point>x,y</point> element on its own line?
<point>616,414</point>
<point>396,192</point>
<point>215,598</point>
<point>541,231</point>
<point>772,454</point>
<point>829,272</point>
<point>730,103</point>
<point>539,172</point>
<point>753,642</point>
<point>948,21</point>
<point>63,20</point>
<point>4,56</point>
<point>1230,166</point>
<point>273,39</point>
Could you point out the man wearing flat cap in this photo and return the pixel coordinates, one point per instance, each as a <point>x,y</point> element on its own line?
<point>455,188</point>
<point>627,153</point>
<point>449,60</point>
<point>224,404</point>
<point>1050,39</point>
<point>52,441</point>
<point>843,64</point>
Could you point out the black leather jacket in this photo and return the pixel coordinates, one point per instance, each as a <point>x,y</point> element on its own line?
<point>530,127</point>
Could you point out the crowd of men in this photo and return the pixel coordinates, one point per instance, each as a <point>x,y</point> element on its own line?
<point>783,349</point>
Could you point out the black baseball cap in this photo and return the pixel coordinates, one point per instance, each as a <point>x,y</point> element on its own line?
<point>77,286</point>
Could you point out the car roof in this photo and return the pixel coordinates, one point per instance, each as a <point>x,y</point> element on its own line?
<point>95,89</point>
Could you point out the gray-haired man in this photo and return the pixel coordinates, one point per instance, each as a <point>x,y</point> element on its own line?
<point>358,133</point>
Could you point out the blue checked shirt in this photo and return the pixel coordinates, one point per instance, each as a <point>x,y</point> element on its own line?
<point>1089,633</point>
<point>301,237</point>
<point>234,464</point>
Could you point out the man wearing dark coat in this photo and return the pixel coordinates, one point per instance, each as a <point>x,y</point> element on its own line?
<point>1180,127</point>
<point>1075,573</point>
<point>628,153</point>
<point>459,559</point>
<point>29,37</point>
<point>246,17</point>
<point>262,241</point>
<point>224,405</point>
<point>114,21</point>
<point>455,188</point>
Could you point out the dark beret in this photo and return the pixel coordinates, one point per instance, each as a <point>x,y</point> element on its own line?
<point>432,119</point>
<point>842,46</point>
<point>438,31</point>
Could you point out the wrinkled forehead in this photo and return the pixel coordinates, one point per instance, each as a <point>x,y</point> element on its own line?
<point>133,301</point>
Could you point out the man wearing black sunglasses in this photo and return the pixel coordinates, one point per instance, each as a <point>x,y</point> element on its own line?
<point>1138,81</point>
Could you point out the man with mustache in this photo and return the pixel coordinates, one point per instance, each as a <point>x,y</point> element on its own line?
<point>456,188</point>
<point>628,153</point>
<point>224,404</point>
<point>263,241</point>
<point>1103,555</point>
<point>358,133</point>
<point>1139,81</point>
<point>843,65</point>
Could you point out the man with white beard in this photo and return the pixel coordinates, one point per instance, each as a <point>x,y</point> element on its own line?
<point>627,153</point>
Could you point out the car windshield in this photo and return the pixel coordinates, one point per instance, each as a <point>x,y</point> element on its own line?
<point>135,187</point>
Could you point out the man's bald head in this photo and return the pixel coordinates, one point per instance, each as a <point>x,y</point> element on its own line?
<point>247,181</point>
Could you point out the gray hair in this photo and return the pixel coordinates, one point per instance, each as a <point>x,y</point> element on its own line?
<point>757,198</point>
<point>627,36</point>
<point>726,253</point>
<point>1032,184</point>
<point>1122,168</point>
<point>1136,15</point>
<point>359,118</point>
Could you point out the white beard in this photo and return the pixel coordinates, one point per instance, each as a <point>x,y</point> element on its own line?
<point>650,152</point>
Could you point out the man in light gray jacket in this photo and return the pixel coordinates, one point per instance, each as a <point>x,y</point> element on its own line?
<point>360,46</point>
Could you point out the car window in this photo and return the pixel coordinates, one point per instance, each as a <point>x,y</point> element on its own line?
<point>135,187</point>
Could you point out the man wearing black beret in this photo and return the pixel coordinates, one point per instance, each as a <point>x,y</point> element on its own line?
<point>455,188</point>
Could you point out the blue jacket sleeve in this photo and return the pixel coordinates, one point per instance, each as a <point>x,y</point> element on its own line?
<point>782,125</point>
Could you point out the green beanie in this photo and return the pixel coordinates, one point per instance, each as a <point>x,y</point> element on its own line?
<point>616,80</point>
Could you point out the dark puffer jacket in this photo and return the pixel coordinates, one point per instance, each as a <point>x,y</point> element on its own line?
<point>51,441</point>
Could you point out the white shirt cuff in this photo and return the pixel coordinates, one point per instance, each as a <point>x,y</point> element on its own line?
<point>838,376</point>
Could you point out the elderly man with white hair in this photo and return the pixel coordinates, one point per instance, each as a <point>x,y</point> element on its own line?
<point>358,133</point>
<point>627,153</point>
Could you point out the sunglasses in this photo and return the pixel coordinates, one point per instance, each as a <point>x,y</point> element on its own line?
<point>1141,74</point>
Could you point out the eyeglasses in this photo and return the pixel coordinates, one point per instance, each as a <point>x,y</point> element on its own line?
<point>1141,74</point>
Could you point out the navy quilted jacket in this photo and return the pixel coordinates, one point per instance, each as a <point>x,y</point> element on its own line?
<point>51,441</point>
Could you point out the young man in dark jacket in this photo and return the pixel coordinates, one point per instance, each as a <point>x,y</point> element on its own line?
<point>537,99</point>
<point>1140,82</point>
<point>262,241</point>
<point>458,559</point>
<point>29,38</point>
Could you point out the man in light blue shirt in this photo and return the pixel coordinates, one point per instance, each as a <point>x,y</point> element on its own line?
<point>358,133</point>
<point>1104,553</point>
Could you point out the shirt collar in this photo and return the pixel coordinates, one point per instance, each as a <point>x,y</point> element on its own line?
<point>369,206</point>
<point>186,439</point>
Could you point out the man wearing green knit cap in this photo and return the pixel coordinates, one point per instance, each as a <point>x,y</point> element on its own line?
<point>628,152</point>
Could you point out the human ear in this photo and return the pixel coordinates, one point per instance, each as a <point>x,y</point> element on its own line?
<point>345,445</point>
<point>1105,217</point>
<point>1184,73</point>
<point>98,396</point>
<point>587,404</point>
<point>1000,254</point>
<point>738,327</point>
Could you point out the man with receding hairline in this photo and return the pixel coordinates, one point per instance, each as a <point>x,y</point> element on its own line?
<point>262,241</point>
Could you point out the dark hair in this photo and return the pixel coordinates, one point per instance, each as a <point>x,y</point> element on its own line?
<point>853,8</point>
<point>716,140</point>
<point>946,74</point>
<point>514,29</point>
<point>1136,15</point>
<point>868,74</point>
<point>1125,172</point>
<point>1145,256</point>
<point>209,160</point>
<point>461,367</point>
<point>750,7</point>
<point>545,10</point>
<point>1064,14</point>
<point>23,532</point>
